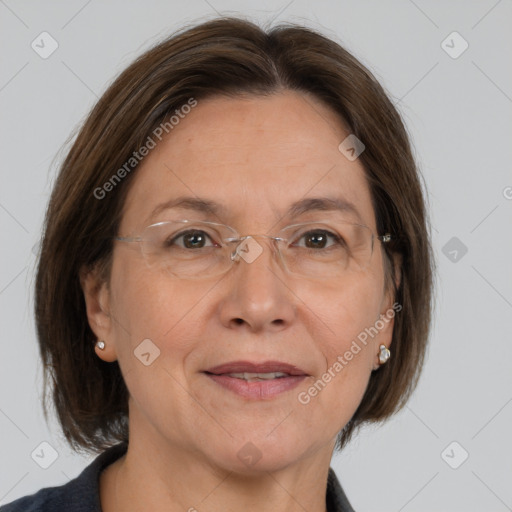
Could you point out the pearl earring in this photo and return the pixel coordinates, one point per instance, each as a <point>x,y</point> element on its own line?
<point>384,354</point>
<point>100,344</point>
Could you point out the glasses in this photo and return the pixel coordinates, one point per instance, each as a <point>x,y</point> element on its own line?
<point>199,249</point>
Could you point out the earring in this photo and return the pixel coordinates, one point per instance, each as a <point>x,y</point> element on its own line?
<point>384,354</point>
<point>100,344</point>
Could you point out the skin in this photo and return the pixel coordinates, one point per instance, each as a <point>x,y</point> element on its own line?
<point>255,156</point>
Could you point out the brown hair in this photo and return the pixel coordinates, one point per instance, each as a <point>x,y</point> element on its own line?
<point>225,56</point>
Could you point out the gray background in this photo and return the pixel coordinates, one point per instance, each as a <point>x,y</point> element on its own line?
<point>458,111</point>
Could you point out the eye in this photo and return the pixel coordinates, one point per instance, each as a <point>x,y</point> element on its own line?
<point>191,239</point>
<point>318,239</point>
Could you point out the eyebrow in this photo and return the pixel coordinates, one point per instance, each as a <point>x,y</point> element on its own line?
<point>305,205</point>
<point>337,204</point>
<point>189,203</point>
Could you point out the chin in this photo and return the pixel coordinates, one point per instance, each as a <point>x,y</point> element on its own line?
<point>253,454</point>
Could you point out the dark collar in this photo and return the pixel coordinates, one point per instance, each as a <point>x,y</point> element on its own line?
<point>335,498</point>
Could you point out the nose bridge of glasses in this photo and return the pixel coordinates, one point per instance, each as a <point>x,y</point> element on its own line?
<point>248,249</point>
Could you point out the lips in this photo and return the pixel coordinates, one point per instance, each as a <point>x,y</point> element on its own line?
<point>240,367</point>
<point>256,381</point>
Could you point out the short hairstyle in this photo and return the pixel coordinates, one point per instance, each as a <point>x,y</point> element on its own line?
<point>228,57</point>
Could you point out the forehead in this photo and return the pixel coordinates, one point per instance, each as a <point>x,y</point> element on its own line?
<point>255,156</point>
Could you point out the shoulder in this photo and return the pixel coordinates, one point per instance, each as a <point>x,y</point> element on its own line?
<point>51,498</point>
<point>79,495</point>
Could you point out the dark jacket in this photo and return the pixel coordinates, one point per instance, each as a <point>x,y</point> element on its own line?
<point>82,493</point>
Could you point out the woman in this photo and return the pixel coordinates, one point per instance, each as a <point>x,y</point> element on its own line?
<point>235,275</point>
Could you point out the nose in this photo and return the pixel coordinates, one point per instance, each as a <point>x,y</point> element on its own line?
<point>257,297</point>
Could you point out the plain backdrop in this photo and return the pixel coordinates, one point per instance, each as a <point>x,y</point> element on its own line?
<point>450,448</point>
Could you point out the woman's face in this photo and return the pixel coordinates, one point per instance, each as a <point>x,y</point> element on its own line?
<point>254,158</point>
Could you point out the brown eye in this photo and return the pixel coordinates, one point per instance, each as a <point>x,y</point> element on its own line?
<point>191,239</point>
<point>318,239</point>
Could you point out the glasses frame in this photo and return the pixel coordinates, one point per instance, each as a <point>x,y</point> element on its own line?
<point>235,255</point>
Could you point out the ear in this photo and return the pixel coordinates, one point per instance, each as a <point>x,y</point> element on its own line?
<point>389,309</point>
<point>97,302</point>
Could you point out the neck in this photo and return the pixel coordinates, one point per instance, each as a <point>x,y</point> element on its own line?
<point>150,477</point>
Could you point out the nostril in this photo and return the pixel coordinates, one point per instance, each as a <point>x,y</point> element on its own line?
<point>238,321</point>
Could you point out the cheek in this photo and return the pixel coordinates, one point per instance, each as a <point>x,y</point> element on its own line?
<point>147,305</point>
<point>338,320</point>
<point>154,334</point>
<point>338,313</point>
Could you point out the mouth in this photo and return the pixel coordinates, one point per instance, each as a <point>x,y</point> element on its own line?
<point>256,377</point>
<point>257,380</point>
<point>241,368</point>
